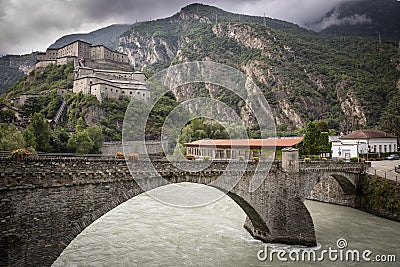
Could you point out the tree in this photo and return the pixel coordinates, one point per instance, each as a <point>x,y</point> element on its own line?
<point>30,139</point>
<point>7,116</point>
<point>10,137</point>
<point>80,124</point>
<point>201,128</point>
<point>322,126</point>
<point>42,132</point>
<point>324,145</point>
<point>96,135</point>
<point>310,144</point>
<point>59,141</point>
<point>80,142</point>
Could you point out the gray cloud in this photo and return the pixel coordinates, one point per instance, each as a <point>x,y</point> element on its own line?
<point>335,20</point>
<point>27,25</point>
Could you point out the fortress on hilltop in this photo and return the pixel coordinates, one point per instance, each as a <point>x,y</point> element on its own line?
<point>82,51</point>
<point>99,71</point>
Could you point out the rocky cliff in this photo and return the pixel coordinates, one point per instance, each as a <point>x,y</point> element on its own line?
<point>304,75</point>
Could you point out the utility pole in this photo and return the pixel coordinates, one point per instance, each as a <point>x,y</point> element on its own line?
<point>380,40</point>
<point>265,22</point>
<point>216,18</point>
<point>239,18</point>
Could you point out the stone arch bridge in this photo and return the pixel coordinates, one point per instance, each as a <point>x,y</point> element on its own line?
<point>46,202</point>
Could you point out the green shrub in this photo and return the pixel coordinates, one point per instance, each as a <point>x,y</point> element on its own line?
<point>354,159</point>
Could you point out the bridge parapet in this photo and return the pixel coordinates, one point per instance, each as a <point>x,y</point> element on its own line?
<point>43,172</point>
<point>330,166</point>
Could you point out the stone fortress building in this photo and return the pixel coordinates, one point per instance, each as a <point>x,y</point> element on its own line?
<point>79,50</point>
<point>98,70</point>
<point>110,83</point>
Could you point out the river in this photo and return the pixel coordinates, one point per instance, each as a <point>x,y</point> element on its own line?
<point>145,232</point>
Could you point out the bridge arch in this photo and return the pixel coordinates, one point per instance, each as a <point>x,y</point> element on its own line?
<point>336,188</point>
<point>81,226</point>
<point>346,185</point>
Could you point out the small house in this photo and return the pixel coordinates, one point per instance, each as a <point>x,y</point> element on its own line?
<point>363,142</point>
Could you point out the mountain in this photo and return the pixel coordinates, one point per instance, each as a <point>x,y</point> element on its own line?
<point>305,75</point>
<point>362,18</point>
<point>347,81</point>
<point>13,67</point>
<point>107,36</point>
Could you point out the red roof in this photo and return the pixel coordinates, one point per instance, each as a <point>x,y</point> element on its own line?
<point>270,142</point>
<point>368,134</point>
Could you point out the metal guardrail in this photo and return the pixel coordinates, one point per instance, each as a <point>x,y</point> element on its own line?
<point>386,174</point>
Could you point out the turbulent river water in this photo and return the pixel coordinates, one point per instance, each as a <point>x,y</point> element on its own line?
<point>145,232</point>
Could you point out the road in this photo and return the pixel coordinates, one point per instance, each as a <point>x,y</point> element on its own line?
<point>385,166</point>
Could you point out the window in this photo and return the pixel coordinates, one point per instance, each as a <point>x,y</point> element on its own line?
<point>385,148</point>
<point>130,93</point>
<point>374,148</point>
<point>390,148</point>
<point>380,148</point>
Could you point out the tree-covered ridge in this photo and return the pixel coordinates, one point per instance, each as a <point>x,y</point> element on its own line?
<point>347,81</point>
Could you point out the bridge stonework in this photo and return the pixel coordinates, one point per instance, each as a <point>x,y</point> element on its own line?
<point>46,202</point>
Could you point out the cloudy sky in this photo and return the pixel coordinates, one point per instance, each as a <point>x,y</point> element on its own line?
<point>32,25</point>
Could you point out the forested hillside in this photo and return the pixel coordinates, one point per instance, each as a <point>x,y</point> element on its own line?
<point>350,82</point>
<point>347,81</point>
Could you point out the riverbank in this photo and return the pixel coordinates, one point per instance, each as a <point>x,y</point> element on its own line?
<point>379,196</point>
<point>375,195</point>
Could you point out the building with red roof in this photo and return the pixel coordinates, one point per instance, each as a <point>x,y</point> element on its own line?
<point>239,148</point>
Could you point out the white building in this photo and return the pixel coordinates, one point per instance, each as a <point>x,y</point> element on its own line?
<point>362,142</point>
